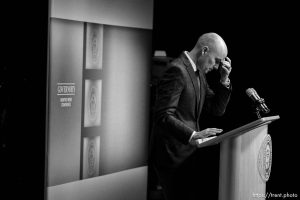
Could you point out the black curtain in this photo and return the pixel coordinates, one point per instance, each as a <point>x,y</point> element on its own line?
<point>23,78</point>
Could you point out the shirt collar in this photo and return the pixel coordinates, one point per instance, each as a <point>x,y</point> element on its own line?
<point>191,61</point>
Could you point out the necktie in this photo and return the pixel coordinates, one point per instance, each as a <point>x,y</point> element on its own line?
<point>198,77</point>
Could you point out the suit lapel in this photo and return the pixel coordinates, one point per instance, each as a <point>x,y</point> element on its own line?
<point>203,91</point>
<point>193,78</point>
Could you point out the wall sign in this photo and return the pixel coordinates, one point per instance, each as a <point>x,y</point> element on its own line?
<point>65,91</point>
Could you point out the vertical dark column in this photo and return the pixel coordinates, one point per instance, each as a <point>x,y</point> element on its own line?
<point>23,72</point>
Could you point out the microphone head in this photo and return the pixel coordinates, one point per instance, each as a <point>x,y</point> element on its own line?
<point>250,92</point>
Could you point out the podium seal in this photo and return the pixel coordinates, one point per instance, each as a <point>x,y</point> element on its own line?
<point>264,161</point>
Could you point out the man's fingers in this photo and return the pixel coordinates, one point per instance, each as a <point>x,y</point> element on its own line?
<point>227,59</point>
<point>207,132</point>
<point>227,66</point>
<point>217,130</point>
<point>213,131</point>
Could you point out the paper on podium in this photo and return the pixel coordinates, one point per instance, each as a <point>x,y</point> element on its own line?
<point>200,141</point>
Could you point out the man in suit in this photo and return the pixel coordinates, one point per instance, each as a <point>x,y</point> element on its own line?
<point>182,94</point>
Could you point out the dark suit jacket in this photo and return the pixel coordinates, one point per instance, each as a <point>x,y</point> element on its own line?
<point>179,103</point>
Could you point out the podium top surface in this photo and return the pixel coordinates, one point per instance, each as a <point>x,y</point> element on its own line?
<point>239,131</point>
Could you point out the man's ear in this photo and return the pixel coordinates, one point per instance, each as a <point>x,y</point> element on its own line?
<point>204,50</point>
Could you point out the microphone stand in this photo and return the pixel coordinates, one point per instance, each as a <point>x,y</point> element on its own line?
<point>257,112</point>
<point>259,108</point>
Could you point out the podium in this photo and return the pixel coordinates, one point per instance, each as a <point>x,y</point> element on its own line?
<point>245,160</point>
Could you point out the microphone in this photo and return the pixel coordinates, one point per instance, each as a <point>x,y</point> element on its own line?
<point>257,100</point>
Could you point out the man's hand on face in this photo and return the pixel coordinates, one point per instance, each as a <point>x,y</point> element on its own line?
<point>225,70</point>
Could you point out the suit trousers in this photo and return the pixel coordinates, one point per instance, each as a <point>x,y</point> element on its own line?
<point>195,179</point>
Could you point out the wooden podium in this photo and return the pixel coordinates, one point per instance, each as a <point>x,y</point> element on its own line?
<point>245,160</point>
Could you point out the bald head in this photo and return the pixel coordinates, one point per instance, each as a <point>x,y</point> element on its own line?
<point>214,42</point>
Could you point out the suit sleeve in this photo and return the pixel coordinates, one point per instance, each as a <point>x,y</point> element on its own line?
<point>168,94</point>
<point>216,102</point>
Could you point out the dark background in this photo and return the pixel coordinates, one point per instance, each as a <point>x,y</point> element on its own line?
<point>262,43</point>
<point>261,40</point>
<point>23,77</point>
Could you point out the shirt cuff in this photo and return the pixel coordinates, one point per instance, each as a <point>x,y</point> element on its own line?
<point>226,83</point>
<point>192,136</point>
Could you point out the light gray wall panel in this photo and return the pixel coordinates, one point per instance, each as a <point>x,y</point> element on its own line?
<point>129,13</point>
<point>66,44</point>
<point>126,65</point>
